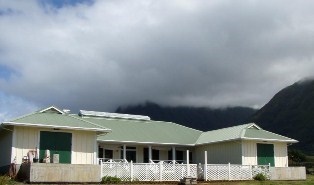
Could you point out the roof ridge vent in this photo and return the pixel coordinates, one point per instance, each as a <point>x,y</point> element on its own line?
<point>113,115</point>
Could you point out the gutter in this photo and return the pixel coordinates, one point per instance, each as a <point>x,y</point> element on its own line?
<point>57,127</point>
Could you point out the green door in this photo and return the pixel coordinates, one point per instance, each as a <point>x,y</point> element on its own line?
<point>265,154</point>
<point>58,143</point>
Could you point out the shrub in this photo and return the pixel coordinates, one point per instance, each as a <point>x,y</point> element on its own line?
<point>296,155</point>
<point>260,177</point>
<point>4,180</point>
<point>110,180</point>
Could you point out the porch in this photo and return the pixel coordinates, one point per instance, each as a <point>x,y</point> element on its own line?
<point>172,170</point>
<point>138,153</point>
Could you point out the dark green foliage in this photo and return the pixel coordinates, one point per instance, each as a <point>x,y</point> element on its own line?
<point>198,118</point>
<point>260,177</point>
<point>291,113</point>
<point>5,180</point>
<point>110,180</point>
<point>296,155</point>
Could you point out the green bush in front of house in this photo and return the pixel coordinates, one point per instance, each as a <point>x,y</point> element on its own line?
<point>110,180</point>
<point>5,180</point>
<point>260,177</point>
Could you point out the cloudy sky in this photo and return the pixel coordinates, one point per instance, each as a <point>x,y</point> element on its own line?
<point>97,55</point>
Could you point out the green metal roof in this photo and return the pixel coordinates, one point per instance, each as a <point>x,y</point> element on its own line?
<point>245,132</point>
<point>224,134</point>
<point>55,120</point>
<point>134,131</point>
<point>143,131</point>
<point>266,135</point>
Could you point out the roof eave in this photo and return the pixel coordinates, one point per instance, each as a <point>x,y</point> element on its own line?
<point>57,127</point>
<point>275,140</point>
<point>246,138</point>
<point>218,141</point>
<point>144,142</point>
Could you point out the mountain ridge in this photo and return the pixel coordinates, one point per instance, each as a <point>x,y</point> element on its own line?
<point>291,113</point>
<point>201,118</point>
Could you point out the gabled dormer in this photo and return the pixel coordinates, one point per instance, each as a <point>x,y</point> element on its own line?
<point>254,126</point>
<point>53,110</point>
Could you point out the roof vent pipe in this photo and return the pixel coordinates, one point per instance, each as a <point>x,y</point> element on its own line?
<point>67,111</point>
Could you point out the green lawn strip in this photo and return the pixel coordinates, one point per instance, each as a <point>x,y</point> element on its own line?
<point>308,181</point>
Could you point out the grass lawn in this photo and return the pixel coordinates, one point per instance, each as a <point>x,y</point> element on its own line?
<point>309,181</point>
<point>309,158</point>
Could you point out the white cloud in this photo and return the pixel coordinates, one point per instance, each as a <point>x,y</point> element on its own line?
<point>12,107</point>
<point>109,53</point>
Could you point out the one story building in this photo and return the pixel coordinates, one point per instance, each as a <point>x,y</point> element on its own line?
<point>88,136</point>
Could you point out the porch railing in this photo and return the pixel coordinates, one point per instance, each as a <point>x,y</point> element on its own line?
<point>148,171</point>
<point>163,171</point>
<point>217,172</point>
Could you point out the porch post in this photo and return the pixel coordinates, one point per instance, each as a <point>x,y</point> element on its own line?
<point>124,152</point>
<point>229,170</point>
<point>205,167</point>
<point>149,153</point>
<point>173,153</point>
<point>131,170</point>
<point>188,163</point>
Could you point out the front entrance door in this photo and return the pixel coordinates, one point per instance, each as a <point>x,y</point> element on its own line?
<point>58,143</point>
<point>265,154</point>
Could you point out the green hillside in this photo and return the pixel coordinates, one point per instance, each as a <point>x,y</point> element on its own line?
<point>291,113</point>
<point>200,118</point>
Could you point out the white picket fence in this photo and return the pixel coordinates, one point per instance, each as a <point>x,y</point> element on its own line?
<point>161,171</point>
<point>220,172</point>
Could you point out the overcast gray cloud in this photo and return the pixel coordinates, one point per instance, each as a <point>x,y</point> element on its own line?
<point>104,54</point>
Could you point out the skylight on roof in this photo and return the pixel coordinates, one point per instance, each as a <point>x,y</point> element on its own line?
<point>113,115</point>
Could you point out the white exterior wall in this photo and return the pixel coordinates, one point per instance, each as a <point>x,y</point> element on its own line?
<point>83,144</point>
<point>25,139</point>
<point>219,153</point>
<point>139,154</point>
<point>249,151</point>
<point>281,154</point>
<point>163,154</point>
<point>83,147</point>
<point>5,147</point>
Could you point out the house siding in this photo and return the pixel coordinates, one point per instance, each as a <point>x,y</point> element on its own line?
<point>139,154</point>
<point>281,154</point>
<point>83,147</point>
<point>249,151</point>
<point>163,154</point>
<point>26,138</point>
<point>83,144</point>
<point>6,144</point>
<point>219,153</point>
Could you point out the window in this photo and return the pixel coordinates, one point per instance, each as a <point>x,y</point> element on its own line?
<point>100,152</point>
<point>170,155</point>
<point>179,155</point>
<point>130,153</point>
<point>155,155</point>
<point>108,154</point>
<point>105,153</point>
